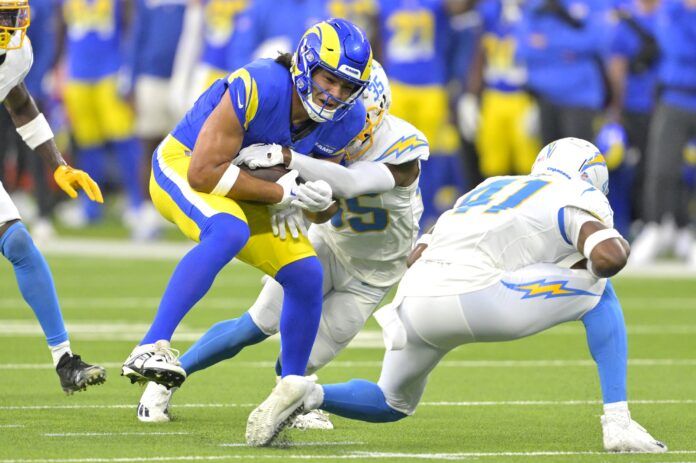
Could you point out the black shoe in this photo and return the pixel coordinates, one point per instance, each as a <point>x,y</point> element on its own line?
<point>76,375</point>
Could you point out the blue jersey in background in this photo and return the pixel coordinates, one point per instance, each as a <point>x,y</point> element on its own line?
<point>563,62</point>
<point>156,31</point>
<point>627,43</point>
<point>94,38</point>
<point>677,37</point>
<point>41,33</point>
<point>415,38</point>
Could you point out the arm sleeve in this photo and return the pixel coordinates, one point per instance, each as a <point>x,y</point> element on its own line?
<point>363,177</point>
<point>574,219</point>
<point>187,55</point>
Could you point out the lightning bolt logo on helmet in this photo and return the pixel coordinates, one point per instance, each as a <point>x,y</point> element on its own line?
<point>342,49</point>
<point>573,158</point>
<point>14,18</point>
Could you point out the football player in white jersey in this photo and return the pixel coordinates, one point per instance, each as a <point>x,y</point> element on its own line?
<point>31,270</point>
<point>515,256</point>
<point>363,248</point>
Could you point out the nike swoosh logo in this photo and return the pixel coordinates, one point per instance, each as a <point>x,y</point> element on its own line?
<point>239,101</point>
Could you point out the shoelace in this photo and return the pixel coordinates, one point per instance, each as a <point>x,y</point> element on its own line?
<point>169,353</point>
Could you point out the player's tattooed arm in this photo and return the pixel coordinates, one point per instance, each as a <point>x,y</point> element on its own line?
<point>23,110</point>
<point>608,256</point>
<point>217,145</point>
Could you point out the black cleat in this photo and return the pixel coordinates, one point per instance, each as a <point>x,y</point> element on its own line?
<point>75,375</point>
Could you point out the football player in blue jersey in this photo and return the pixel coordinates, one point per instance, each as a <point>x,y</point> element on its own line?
<point>307,103</point>
<point>100,117</point>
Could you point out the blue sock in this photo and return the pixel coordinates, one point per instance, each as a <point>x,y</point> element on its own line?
<point>222,341</point>
<point>359,400</point>
<point>129,155</point>
<point>606,337</point>
<point>35,281</point>
<point>222,237</point>
<point>93,161</point>
<point>299,320</point>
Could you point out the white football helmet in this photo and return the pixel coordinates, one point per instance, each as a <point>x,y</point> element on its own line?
<point>573,158</point>
<point>377,100</point>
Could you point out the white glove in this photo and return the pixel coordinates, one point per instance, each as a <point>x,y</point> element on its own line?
<point>468,115</point>
<point>289,184</point>
<point>314,196</point>
<point>260,155</point>
<point>290,218</point>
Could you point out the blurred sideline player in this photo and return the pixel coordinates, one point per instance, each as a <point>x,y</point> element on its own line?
<point>204,52</point>
<point>632,72</point>
<point>505,132</point>
<point>31,270</point>
<point>413,43</point>
<point>100,118</point>
<point>155,34</point>
<point>308,102</point>
<point>363,248</point>
<point>496,269</point>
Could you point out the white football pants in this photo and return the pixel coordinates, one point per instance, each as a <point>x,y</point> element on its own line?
<point>348,303</point>
<point>515,307</point>
<point>8,211</point>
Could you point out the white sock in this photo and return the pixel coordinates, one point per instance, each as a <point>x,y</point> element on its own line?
<point>616,408</point>
<point>59,350</point>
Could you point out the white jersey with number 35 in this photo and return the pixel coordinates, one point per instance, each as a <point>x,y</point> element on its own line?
<point>16,66</point>
<point>372,235</point>
<point>504,224</point>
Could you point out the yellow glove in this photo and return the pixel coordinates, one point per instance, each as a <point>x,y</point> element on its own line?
<point>68,179</point>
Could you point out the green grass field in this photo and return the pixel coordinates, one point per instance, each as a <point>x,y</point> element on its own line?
<point>531,400</point>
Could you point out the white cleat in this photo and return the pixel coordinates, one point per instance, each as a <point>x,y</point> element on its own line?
<point>154,403</point>
<point>622,434</point>
<point>156,362</point>
<point>316,419</point>
<point>278,410</point>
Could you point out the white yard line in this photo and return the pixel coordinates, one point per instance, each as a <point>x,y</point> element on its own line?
<point>378,363</point>
<point>100,434</point>
<point>299,444</point>
<point>502,403</point>
<point>11,426</point>
<point>341,456</point>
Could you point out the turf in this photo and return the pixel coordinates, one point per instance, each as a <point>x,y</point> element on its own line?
<point>531,400</point>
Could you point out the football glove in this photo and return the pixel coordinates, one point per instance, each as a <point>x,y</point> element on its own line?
<point>314,196</point>
<point>260,156</point>
<point>69,179</point>
<point>289,184</point>
<point>290,218</point>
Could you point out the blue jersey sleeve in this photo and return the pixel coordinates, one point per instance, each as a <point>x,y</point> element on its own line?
<point>622,42</point>
<point>244,93</point>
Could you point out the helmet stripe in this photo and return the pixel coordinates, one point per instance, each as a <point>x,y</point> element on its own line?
<point>330,52</point>
<point>368,69</point>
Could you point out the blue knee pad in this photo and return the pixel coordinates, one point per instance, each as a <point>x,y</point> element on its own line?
<point>361,400</point>
<point>606,338</point>
<point>35,281</point>
<point>299,319</point>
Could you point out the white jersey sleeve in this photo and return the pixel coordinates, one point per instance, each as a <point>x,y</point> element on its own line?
<point>16,66</point>
<point>372,234</point>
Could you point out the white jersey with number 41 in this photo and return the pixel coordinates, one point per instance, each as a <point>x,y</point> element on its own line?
<point>504,224</point>
<point>372,235</point>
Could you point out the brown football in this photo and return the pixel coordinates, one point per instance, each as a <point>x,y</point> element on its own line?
<point>269,174</point>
